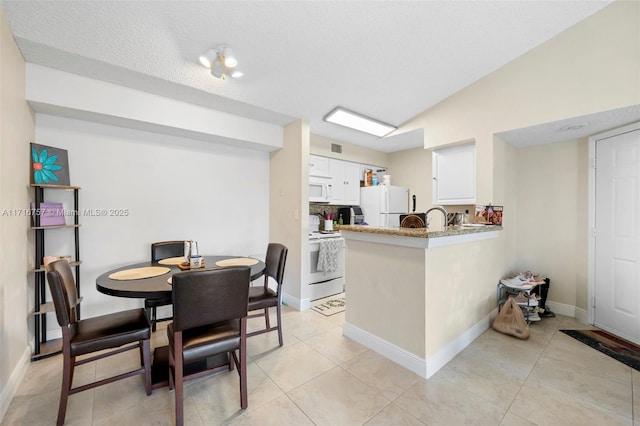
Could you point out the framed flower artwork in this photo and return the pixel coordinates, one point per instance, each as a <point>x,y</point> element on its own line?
<point>49,165</point>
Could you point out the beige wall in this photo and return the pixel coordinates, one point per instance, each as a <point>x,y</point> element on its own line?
<point>289,206</point>
<point>552,217</point>
<point>16,131</point>
<point>412,168</point>
<point>350,152</point>
<point>461,285</point>
<point>591,67</point>
<point>387,280</point>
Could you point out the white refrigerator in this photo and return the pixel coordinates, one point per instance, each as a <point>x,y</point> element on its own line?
<point>382,205</point>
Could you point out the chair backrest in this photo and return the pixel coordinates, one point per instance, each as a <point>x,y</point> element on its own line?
<point>275,260</point>
<point>166,249</point>
<point>210,296</point>
<point>63,291</point>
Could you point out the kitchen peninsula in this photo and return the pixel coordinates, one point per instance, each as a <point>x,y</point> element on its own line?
<point>420,297</point>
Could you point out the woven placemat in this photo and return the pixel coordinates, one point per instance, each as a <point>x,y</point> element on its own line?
<point>171,261</point>
<point>239,261</point>
<point>139,273</point>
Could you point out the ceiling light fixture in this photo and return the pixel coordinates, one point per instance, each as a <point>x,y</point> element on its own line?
<point>221,61</point>
<point>358,122</point>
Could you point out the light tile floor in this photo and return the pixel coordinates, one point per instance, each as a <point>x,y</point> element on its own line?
<point>321,377</point>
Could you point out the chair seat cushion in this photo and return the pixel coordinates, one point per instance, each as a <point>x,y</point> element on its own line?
<point>152,303</point>
<point>260,298</point>
<point>109,331</point>
<point>203,342</point>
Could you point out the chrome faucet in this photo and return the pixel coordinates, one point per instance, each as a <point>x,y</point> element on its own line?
<point>444,214</point>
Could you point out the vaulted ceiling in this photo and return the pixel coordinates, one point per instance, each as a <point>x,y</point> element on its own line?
<point>390,60</point>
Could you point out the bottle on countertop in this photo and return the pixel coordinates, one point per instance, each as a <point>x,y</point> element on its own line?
<point>340,221</point>
<point>374,180</point>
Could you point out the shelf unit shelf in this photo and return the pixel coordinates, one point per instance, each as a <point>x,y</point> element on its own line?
<point>48,307</point>
<point>55,226</point>
<point>42,269</point>
<point>44,347</point>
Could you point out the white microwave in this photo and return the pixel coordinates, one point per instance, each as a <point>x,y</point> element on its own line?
<point>319,189</point>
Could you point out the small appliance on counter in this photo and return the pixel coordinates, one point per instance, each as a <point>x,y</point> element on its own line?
<point>351,215</point>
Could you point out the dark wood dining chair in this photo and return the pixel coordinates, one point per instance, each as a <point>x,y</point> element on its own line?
<point>120,331</point>
<point>264,297</point>
<point>161,250</point>
<point>209,318</point>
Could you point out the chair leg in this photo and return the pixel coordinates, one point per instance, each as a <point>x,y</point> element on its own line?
<point>242,369</point>
<point>266,317</point>
<point>67,371</point>
<point>172,366</point>
<point>72,368</point>
<point>279,315</point>
<point>145,350</point>
<point>154,319</point>
<point>178,374</point>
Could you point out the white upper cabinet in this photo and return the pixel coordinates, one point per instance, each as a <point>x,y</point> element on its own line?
<point>345,177</point>
<point>454,175</point>
<point>319,166</point>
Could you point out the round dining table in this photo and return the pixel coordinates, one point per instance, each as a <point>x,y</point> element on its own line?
<point>158,287</point>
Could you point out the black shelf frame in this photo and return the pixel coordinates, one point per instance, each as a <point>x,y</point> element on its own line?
<point>44,347</point>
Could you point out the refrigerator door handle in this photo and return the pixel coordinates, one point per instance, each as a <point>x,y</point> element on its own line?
<point>386,200</point>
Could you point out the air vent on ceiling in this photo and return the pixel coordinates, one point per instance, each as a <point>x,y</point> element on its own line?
<point>336,148</point>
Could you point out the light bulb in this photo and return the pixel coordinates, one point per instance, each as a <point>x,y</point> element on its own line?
<point>207,58</point>
<point>229,60</point>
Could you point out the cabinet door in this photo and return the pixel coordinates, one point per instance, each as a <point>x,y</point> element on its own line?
<point>318,166</point>
<point>337,169</point>
<point>454,175</point>
<point>352,184</point>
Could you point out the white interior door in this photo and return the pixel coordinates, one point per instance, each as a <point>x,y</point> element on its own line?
<point>617,240</point>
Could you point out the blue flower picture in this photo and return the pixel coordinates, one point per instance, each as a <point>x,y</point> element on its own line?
<point>50,165</point>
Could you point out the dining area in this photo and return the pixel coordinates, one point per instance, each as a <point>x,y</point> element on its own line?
<point>211,298</point>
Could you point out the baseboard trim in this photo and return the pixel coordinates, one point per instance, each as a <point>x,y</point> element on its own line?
<point>388,350</point>
<point>423,367</point>
<point>582,315</point>
<point>562,309</point>
<point>295,303</point>
<point>14,381</point>
<point>457,345</point>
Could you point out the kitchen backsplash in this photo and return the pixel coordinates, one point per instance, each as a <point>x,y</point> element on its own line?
<point>324,208</point>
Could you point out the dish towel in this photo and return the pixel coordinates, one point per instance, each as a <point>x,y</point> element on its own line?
<point>328,256</point>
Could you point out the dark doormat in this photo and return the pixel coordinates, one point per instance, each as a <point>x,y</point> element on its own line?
<point>615,347</point>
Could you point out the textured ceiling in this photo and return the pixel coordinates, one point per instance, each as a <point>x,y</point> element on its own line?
<point>390,60</point>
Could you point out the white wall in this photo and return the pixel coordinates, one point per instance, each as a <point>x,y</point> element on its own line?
<point>173,188</point>
<point>16,131</point>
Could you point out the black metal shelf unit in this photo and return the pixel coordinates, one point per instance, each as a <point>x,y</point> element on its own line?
<point>44,347</point>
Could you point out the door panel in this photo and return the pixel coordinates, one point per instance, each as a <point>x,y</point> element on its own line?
<point>617,249</point>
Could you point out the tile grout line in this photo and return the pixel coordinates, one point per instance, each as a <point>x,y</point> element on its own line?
<point>557,328</point>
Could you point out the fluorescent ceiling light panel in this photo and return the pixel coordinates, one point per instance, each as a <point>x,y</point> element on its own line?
<point>359,122</point>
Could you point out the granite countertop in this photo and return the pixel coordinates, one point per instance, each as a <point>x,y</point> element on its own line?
<point>419,232</point>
